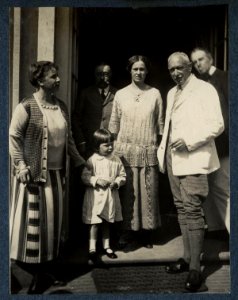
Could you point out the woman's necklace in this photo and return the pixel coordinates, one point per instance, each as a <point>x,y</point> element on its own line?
<point>46,104</point>
<point>54,107</point>
<point>138,93</point>
<point>138,96</point>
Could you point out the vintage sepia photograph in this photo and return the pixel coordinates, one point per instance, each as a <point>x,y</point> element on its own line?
<point>119,159</point>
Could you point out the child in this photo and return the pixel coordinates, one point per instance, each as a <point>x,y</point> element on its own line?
<point>101,204</point>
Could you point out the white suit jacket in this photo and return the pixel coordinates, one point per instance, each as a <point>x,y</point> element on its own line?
<point>197,119</point>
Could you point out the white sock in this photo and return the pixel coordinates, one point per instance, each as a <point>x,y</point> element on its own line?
<point>92,245</point>
<point>105,243</point>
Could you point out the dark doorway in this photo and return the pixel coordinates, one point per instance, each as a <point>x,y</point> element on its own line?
<point>115,34</point>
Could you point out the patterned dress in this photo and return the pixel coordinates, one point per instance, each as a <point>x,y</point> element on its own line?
<point>137,119</point>
<point>102,204</point>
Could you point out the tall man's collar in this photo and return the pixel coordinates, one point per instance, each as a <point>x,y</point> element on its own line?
<point>207,76</point>
<point>212,70</point>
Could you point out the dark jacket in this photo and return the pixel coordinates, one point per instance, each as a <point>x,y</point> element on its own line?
<point>91,113</point>
<point>219,79</point>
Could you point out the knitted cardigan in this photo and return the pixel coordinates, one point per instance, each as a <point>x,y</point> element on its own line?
<point>33,140</point>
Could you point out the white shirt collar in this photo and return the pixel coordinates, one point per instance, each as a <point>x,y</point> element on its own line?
<point>212,70</point>
<point>100,157</point>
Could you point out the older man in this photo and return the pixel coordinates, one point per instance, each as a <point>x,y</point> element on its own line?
<point>93,109</point>
<point>217,207</point>
<point>193,121</point>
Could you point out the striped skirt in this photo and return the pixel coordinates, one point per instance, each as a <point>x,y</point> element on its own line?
<point>36,216</point>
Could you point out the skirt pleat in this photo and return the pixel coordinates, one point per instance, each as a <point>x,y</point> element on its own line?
<point>36,220</point>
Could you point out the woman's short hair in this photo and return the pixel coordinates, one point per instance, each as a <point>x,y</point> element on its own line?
<point>137,58</point>
<point>101,136</point>
<point>38,70</point>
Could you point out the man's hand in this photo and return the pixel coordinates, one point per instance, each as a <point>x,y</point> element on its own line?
<point>179,145</point>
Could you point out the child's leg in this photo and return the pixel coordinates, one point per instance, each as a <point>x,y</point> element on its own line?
<point>106,240</point>
<point>105,235</point>
<point>93,233</point>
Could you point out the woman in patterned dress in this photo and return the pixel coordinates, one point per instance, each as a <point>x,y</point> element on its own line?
<point>40,142</point>
<point>137,121</point>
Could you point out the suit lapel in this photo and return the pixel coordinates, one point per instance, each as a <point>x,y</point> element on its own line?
<point>109,97</point>
<point>185,95</point>
<point>171,103</point>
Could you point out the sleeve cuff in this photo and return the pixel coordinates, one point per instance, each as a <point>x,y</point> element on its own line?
<point>119,182</point>
<point>93,181</point>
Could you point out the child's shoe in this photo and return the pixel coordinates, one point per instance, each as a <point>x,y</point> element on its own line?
<point>110,253</point>
<point>93,257</point>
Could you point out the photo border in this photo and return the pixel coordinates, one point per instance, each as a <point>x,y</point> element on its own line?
<point>4,157</point>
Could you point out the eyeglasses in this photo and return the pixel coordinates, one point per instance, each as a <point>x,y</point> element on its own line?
<point>105,74</point>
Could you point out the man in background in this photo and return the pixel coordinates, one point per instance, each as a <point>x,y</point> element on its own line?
<point>217,206</point>
<point>93,110</point>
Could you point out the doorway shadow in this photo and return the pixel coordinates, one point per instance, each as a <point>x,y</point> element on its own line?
<point>168,231</point>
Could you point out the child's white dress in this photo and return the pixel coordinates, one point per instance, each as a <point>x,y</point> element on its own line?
<point>102,204</point>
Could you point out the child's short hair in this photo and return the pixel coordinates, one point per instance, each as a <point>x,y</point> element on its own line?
<point>101,136</point>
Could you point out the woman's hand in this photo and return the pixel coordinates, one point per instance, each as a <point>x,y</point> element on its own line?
<point>103,183</point>
<point>24,175</point>
<point>23,172</point>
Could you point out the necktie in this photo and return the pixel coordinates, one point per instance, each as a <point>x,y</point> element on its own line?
<point>177,94</point>
<point>103,94</point>
<point>176,98</point>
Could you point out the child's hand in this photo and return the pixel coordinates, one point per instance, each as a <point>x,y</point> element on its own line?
<point>113,185</point>
<point>103,183</point>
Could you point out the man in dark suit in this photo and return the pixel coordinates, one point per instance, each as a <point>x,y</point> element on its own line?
<point>217,206</point>
<point>93,109</point>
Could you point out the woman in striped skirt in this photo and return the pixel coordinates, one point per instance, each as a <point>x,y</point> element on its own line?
<point>40,142</point>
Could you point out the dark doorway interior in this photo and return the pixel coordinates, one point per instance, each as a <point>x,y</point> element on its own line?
<point>115,34</point>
